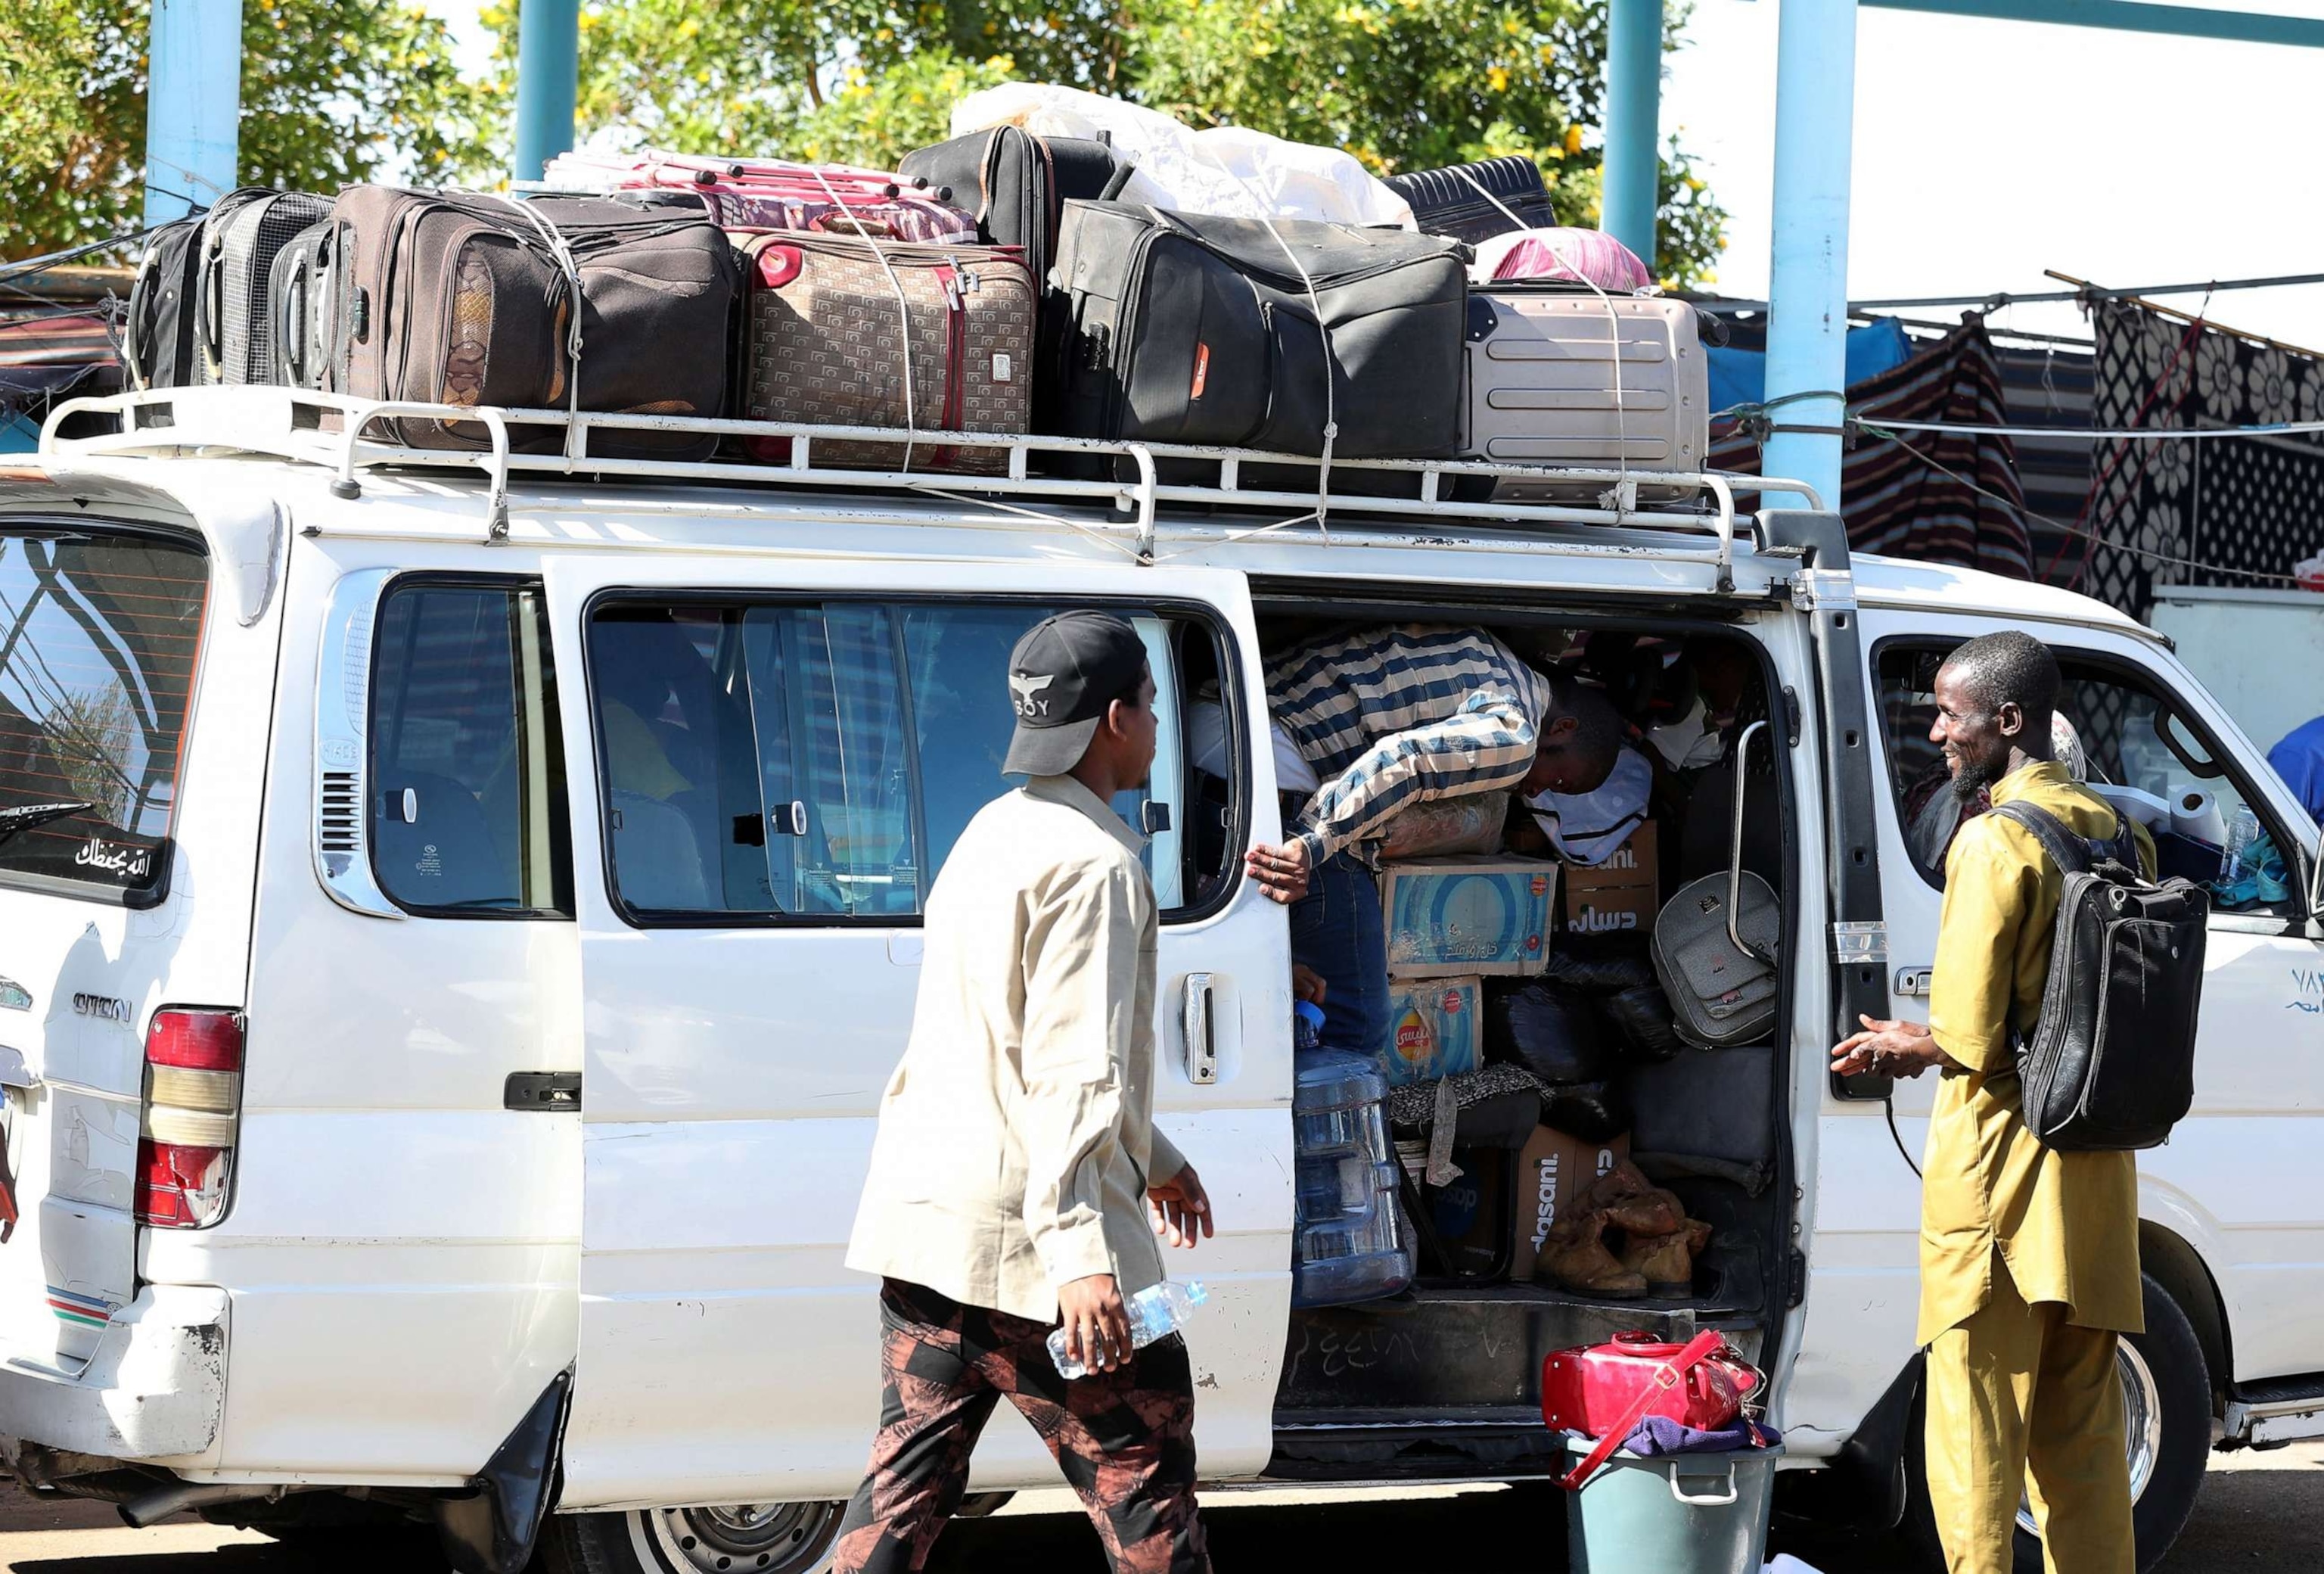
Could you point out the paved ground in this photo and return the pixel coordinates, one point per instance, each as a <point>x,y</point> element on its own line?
<point>2260,1513</point>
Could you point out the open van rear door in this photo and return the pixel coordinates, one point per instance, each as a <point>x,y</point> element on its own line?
<point>767,760</point>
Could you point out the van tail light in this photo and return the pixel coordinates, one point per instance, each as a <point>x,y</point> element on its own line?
<point>193,1095</point>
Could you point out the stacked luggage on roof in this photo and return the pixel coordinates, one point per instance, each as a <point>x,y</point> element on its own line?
<point>1002,283</point>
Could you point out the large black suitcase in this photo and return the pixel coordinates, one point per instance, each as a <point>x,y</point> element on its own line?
<point>1018,184</point>
<point>460,298</point>
<point>158,341</point>
<point>235,315</point>
<point>1192,329</point>
<point>1450,201</point>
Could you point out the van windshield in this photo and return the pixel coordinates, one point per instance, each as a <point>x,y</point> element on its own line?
<point>98,638</point>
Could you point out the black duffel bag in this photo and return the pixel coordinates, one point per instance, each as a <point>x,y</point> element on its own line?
<point>1197,329</point>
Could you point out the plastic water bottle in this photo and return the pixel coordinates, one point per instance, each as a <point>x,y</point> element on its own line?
<point>2242,830</point>
<point>1153,1311</point>
<point>1307,1024</point>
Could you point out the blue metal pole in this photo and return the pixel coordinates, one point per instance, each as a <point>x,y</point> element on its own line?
<point>548,82</point>
<point>1807,285</point>
<point>193,104</point>
<point>1634,90</point>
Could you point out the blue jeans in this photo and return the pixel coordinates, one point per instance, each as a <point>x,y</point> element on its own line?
<point>1336,929</point>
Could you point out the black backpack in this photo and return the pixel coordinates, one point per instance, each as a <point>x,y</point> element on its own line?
<point>2110,1067</point>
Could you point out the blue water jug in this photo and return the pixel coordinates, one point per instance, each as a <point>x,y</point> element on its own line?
<point>1350,1238</point>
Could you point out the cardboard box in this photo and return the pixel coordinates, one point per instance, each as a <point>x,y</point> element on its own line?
<point>1453,916</point>
<point>1435,1028</point>
<point>1551,1171</point>
<point>1624,892</point>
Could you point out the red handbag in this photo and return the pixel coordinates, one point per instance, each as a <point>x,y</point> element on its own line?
<point>1604,1391</point>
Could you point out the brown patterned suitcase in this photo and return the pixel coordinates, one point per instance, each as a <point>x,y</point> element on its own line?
<point>824,341</point>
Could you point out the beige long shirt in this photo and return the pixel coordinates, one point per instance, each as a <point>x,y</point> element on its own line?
<point>2064,1225</point>
<point>1015,1138</point>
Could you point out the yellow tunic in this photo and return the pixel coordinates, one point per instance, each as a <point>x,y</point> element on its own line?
<point>2066,1224</point>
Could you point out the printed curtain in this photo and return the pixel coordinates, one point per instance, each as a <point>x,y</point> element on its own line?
<point>1941,497</point>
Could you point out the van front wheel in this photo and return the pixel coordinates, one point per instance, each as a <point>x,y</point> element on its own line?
<point>744,1538</point>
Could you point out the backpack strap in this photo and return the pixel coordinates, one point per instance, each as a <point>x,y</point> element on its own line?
<point>2072,854</point>
<point>1660,1380</point>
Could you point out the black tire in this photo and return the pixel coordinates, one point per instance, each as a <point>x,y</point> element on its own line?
<point>2169,1358</point>
<point>791,1538</point>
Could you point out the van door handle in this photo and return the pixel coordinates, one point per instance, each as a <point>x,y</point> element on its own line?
<point>1914,983</point>
<point>1201,1043</point>
<point>541,1090</point>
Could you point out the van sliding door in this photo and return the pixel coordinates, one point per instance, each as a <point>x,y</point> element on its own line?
<point>772,761</point>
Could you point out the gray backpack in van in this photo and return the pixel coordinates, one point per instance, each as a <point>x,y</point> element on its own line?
<point>1715,956</point>
<point>1715,942</point>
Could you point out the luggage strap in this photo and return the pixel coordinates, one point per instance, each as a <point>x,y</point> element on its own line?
<point>1664,1377</point>
<point>1613,326</point>
<point>2074,853</point>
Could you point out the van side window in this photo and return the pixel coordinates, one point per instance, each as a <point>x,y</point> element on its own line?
<point>468,804</point>
<point>98,635</point>
<point>816,762</point>
<point>2126,737</point>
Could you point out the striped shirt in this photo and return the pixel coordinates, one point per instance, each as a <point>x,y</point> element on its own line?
<point>1395,716</point>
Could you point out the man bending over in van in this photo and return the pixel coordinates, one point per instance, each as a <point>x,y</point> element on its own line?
<point>1016,1161</point>
<point>2029,1257</point>
<point>1392,717</point>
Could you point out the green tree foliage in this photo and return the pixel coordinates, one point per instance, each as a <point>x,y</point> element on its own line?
<point>332,91</point>
<point>1402,84</point>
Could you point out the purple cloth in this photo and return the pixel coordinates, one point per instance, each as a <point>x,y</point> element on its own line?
<point>1658,1435</point>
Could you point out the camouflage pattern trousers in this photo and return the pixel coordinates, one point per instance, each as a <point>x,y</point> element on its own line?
<point>1124,1440</point>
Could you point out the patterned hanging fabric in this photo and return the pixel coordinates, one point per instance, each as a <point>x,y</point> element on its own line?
<point>1941,497</point>
<point>2221,511</point>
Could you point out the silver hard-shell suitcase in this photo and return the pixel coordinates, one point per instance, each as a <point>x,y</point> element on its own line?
<point>1545,388</point>
<point>235,327</point>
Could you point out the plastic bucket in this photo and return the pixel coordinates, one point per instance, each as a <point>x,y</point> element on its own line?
<point>1684,1514</point>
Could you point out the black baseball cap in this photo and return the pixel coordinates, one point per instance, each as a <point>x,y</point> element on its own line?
<point>1062,676</point>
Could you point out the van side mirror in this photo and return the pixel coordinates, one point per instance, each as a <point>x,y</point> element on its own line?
<point>2316,878</point>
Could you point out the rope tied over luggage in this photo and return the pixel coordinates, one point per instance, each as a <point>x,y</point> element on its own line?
<point>1322,511</point>
<point>561,251</point>
<point>903,310</point>
<point>1613,329</point>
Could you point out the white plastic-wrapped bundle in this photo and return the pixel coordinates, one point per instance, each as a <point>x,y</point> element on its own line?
<point>1226,170</point>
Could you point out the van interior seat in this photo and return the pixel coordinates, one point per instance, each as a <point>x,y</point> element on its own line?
<point>656,852</point>
<point>447,855</point>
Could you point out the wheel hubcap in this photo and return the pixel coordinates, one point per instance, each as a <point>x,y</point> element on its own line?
<point>2142,1426</point>
<point>744,1538</point>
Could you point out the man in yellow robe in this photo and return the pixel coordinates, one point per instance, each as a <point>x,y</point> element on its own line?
<point>2029,1257</point>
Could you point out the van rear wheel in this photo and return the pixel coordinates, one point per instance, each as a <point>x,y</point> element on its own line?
<point>744,1538</point>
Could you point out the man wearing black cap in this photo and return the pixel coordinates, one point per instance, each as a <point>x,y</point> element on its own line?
<point>1016,1165</point>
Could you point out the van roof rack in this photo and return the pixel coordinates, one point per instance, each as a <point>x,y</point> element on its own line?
<point>347,436</point>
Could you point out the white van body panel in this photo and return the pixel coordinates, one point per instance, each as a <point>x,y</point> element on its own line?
<point>97,971</point>
<point>2237,1180</point>
<point>402,1251</point>
<point>732,1082</point>
<point>407,1264</point>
